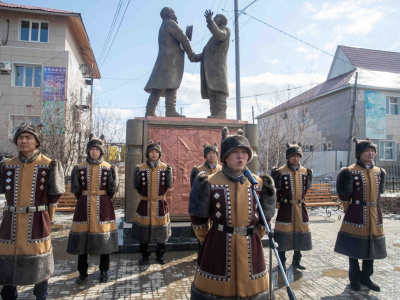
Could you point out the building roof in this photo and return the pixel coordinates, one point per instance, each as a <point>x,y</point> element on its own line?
<point>375,60</point>
<point>376,69</point>
<point>323,88</point>
<point>77,26</point>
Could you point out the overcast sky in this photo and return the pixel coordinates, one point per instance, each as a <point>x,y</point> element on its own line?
<point>271,61</point>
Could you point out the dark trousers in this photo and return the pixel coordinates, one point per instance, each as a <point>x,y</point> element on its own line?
<point>9,292</point>
<point>354,269</point>
<point>104,264</point>
<point>144,250</point>
<point>296,256</point>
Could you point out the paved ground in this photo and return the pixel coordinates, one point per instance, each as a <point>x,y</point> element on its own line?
<point>325,277</point>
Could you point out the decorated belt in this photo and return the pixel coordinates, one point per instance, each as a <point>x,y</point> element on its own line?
<point>365,203</point>
<point>94,193</point>
<point>293,201</point>
<point>155,198</point>
<point>25,209</point>
<point>234,230</point>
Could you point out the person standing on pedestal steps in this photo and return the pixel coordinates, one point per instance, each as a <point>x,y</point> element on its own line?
<point>152,180</point>
<point>94,230</point>
<point>167,73</point>
<point>292,228</point>
<point>361,236</point>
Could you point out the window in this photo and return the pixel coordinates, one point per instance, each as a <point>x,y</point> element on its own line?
<point>34,31</point>
<point>387,150</point>
<point>392,106</point>
<point>16,120</point>
<point>27,75</point>
<point>326,146</point>
<point>308,148</point>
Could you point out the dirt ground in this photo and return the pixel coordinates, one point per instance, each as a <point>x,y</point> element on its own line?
<point>390,205</point>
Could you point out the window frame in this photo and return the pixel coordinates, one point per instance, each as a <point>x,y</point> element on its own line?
<point>382,149</point>
<point>388,105</point>
<point>15,65</point>
<point>20,20</point>
<point>322,146</point>
<point>11,121</point>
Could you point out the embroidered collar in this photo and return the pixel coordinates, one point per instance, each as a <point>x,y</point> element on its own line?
<point>210,166</point>
<point>90,160</point>
<point>151,165</point>
<point>361,164</point>
<point>28,160</point>
<point>229,174</point>
<point>291,167</point>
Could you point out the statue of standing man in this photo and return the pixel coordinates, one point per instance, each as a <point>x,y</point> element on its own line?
<point>167,73</point>
<point>214,74</point>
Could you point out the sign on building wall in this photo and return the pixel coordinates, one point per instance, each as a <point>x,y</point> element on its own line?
<point>54,84</point>
<point>375,115</point>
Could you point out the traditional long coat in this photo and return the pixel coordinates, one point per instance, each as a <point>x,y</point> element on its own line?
<point>152,221</point>
<point>168,69</point>
<point>230,265</point>
<point>26,253</point>
<point>292,228</point>
<point>94,229</point>
<point>213,68</point>
<point>361,234</point>
<point>204,168</point>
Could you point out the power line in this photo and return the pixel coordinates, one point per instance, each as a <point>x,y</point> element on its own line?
<point>119,26</point>
<point>111,29</point>
<point>242,11</point>
<point>123,84</point>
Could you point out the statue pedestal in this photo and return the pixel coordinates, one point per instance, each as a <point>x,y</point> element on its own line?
<point>182,142</point>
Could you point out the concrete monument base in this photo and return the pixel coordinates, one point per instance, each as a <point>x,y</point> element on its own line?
<point>182,142</point>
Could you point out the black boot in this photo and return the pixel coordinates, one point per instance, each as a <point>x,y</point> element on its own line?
<point>160,253</point>
<point>81,279</point>
<point>369,284</point>
<point>161,260</point>
<point>144,250</point>
<point>296,264</point>
<point>103,276</point>
<point>144,260</point>
<point>355,285</point>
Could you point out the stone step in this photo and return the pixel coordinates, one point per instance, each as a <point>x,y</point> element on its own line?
<point>182,238</point>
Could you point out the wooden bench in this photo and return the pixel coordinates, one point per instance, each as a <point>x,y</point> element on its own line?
<point>320,195</point>
<point>67,201</point>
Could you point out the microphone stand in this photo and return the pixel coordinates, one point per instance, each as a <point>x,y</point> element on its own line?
<point>272,244</point>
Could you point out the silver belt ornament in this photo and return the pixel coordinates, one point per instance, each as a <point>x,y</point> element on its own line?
<point>25,209</point>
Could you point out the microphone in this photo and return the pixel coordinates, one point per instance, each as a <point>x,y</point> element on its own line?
<point>250,177</point>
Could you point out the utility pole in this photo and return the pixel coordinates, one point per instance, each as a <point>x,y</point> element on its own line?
<point>237,63</point>
<point>252,112</point>
<point>353,109</point>
<point>91,100</point>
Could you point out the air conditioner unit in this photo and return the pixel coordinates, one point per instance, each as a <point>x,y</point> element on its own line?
<point>284,115</point>
<point>5,66</point>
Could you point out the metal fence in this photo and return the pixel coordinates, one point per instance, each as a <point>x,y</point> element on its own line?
<point>392,184</point>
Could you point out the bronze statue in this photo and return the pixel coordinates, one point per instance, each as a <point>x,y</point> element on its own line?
<point>167,73</point>
<point>214,74</point>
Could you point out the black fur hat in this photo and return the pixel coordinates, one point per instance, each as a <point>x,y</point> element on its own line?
<point>362,145</point>
<point>208,148</point>
<point>232,142</point>
<point>151,146</point>
<point>25,128</point>
<point>293,149</point>
<point>95,142</point>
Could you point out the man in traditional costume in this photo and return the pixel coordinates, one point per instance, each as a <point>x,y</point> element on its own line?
<point>94,231</point>
<point>361,235</point>
<point>231,261</point>
<point>210,166</point>
<point>32,184</point>
<point>151,224</point>
<point>292,228</point>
